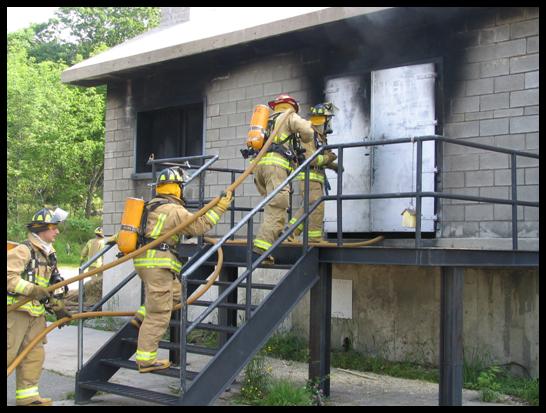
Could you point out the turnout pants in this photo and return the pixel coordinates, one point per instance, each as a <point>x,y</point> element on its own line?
<point>162,293</point>
<point>317,216</point>
<point>22,328</point>
<point>266,179</point>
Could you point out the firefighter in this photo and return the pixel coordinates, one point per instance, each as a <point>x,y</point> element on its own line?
<point>320,116</point>
<point>93,287</point>
<point>31,268</point>
<point>158,267</point>
<point>274,167</point>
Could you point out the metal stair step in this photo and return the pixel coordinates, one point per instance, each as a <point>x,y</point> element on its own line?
<point>131,392</point>
<point>231,306</point>
<point>213,327</point>
<point>258,286</point>
<point>190,348</point>
<point>131,365</point>
<point>243,264</point>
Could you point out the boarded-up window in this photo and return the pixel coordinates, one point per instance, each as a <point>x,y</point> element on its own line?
<point>169,133</point>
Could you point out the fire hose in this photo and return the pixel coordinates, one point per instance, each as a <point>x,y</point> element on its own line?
<point>212,278</point>
<point>139,251</point>
<point>78,316</point>
<point>173,231</point>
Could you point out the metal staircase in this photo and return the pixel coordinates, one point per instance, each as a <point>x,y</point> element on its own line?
<point>307,268</point>
<point>204,386</point>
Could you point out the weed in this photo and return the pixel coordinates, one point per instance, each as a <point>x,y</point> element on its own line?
<point>257,379</point>
<point>488,384</point>
<point>477,371</point>
<point>204,338</point>
<point>283,392</point>
<point>317,395</point>
<point>70,395</point>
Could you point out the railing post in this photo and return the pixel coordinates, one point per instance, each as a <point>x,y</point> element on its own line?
<point>514,204</point>
<point>80,323</point>
<point>418,189</point>
<point>248,298</point>
<point>339,216</point>
<point>306,209</point>
<point>183,322</point>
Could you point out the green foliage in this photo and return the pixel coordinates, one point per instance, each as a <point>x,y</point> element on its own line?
<point>479,372</point>
<point>55,132</point>
<point>77,33</point>
<point>283,392</point>
<point>288,346</point>
<point>204,338</point>
<point>257,379</point>
<point>488,384</point>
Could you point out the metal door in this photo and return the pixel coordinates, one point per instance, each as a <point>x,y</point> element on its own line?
<point>402,106</point>
<point>350,124</point>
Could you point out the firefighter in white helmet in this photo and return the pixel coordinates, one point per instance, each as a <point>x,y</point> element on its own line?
<point>31,268</point>
<point>320,116</point>
<point>275,166</point>
<point>158,267</point>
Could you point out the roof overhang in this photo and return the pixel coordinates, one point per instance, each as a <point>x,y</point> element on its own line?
<point>179,41</point>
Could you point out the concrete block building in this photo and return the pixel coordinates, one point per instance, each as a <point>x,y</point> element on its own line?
<point>189,87</point>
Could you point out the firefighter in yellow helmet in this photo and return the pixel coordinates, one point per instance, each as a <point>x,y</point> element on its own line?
<point>31,268</point>
<point>275,166</point>
<point>320,116</point>
<point>93,287</point>
<point>158,267</point>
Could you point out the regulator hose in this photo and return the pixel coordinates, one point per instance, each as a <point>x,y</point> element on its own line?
<point>282,119</point>
<point>77,316</point>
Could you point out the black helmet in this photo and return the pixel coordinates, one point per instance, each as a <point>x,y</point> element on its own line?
<point>169,175</point>
<point>44,217</point>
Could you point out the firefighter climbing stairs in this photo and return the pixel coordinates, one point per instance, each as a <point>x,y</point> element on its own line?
<point>226,361</point>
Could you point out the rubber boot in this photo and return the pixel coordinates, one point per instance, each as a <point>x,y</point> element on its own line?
<point>40,401</point>
<point>157,365</point>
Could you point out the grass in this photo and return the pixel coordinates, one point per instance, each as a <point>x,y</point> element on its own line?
<point>479,371</point>
<point>261,389</point>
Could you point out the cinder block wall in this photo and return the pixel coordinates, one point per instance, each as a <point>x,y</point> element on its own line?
<point>492,98</point>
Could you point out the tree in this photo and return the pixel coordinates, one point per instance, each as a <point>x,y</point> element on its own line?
<point>55,136</point>
<point>55,132</point>
<point>82,30</point>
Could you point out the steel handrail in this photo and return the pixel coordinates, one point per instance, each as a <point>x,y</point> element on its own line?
<point>81,269</point>
<point>417,194</point>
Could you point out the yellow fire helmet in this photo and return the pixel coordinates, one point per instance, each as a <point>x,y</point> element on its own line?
<point>170,182</point>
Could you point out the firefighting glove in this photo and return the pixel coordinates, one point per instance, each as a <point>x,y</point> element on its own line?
<point>58,308</point>
<point>38,293</point>
<point>334,167</point>
<point>326,159</point>
<point>224,202</point>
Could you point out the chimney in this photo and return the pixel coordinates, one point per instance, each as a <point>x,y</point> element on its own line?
<point>174,15</point>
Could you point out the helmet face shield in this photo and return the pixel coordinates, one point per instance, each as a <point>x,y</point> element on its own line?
<point>59,215</point>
